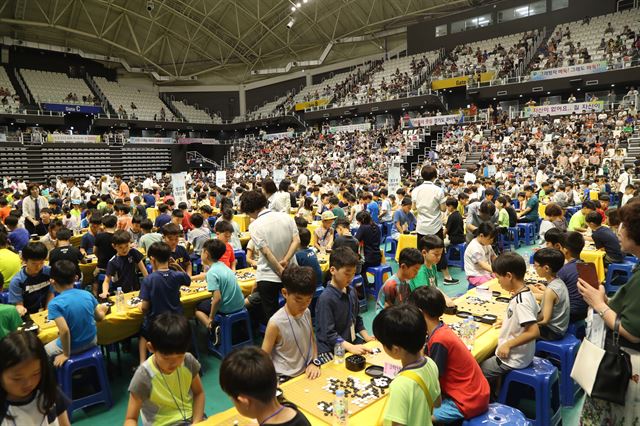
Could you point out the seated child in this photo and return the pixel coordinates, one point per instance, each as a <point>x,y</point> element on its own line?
<point>135,231</point>
<point>578,220</point>
<point>10,319</point>
<point>103,248</point>
<point>88,240</point>
<point>65,251</point>
<point>10,263</point>
<point>248,377</point>
<point>415,391</point>
<point>18,237</point>
<point>345,239</point>
<point>148,237</point>
<point>163,217</point>
<point>432,248</point>
<point>159,291</point>
<point>403,219</point>
<point>554,218</point>
<point>223,231</point>
<point>324,233</point>
<point>30,289</point>
<point>75,313</point>
<point>198,234</point>
<point>455,224</point>
<point>519,328</point>
<point>223,284</point>
<point>51,239</point>
<point>306,256</point>
<point>604,239</point>
<point>338,309</point>
<point>479,254</point>
<point>121,268</point>
<point>553,318</point>
<point>289,337</point>
<point>166,389</point>
<point>465,390</point>
<point>397,287</point>
<point>503,214</point>
<point>571,245</point>
<point>179,255</point>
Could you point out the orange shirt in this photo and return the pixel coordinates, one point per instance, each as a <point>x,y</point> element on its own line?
<point>4,212</point>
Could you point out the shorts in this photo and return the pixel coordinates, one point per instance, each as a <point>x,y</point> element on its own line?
<point>204,306</point>
<point>547,334</point>
<point>447,412</point>
<point>479,280</point>
<point>493,368</point>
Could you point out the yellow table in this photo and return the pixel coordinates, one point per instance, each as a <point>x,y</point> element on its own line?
<point>483,347</point>
<point>243,221</point>
<point>118,326</point>
<point>597,258</point>
<point>247,285</point>
<point>312,228</point>
<point>406,241</point>
<point>152,213</point>
<point>541,209</point>
<point>244,239</point>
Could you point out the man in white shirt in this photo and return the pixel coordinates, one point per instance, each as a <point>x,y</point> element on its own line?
<point>73,193</point>
<point>428,199</point>
<point>623,181</point>
<point>275,237</point>
<point>303,180</point>
<point>147,183</point>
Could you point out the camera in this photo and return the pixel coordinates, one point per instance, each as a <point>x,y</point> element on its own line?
<point>150,5</point>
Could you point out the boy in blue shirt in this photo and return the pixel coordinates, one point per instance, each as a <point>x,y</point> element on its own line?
<point>372,207</point>
<point>163,218</point>
<point>88,240</point>
<point>159,291</point>
<point>75,312</point>
<point>306,256</point>
<point>121,269</point>
<point>222,283</point>
<point>29,289</point>
<point>18,237</point>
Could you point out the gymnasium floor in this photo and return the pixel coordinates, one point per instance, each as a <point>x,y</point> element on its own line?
<point>217,401</point>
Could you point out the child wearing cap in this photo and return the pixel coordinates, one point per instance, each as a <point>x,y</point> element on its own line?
<point>324,233</point>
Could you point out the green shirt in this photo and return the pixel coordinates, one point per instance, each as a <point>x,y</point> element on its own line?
<point>626,303</point>
<point>407,403</point>
<point>9,320</point>
<point>578,220</point>
<point>503,218</point>
<point>427,276</point>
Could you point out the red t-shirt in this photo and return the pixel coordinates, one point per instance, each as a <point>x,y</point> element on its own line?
<point>229,257</point>
<point>461,378</point>
<point>186,222</point>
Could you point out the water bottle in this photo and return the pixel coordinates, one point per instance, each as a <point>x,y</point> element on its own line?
<point>466,332</point>
<point>338,351</point>
<point>120,304</point>
<point>340,409</point>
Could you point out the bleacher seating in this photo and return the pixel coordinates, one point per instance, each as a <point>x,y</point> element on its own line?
<point>270,109</point>
<point>8,102</point>
<point>592,37</point>
<point>195,115</point>
<point>148,104</point>
<point>324,89</point>
<point>54,87</point>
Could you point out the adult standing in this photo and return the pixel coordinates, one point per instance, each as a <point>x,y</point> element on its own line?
<point>275,237</point>
<point>428,200</point>
<point>625,305</point>
<point>122,190</point>
<point>32,205</point>
<point>73,192</point>
<point>624,180</point>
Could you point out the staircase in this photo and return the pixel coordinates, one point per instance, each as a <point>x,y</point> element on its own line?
<point>20,86</point>
<point>172,108</point>
<point>431,139</point>
<point>543,35</point>
<point>106,107</point>
<point>473,158</point>
<point>633,150</point>
<point>198,161</point>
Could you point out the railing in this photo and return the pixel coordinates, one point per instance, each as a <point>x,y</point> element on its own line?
<point>35,112</point>
<point>535,45</point>
<point>612,66</point>
<point>23,86</point>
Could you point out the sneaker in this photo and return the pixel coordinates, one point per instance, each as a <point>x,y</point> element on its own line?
<point>215,335</point>
<point>451,281</point>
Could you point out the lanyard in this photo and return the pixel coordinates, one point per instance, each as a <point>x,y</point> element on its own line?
<point>295,339</point>
<point>433,333</point>
<point>183,411</point>
<point>273,415</point>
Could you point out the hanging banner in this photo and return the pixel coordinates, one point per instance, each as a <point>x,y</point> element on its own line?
<point>61,137</point>
<point>278,176</point>
<point>310,104</point>
<point>564,109</point>
<point>459,81</point>
<point>281,135</point>
<point>221,178</point>
<point>179,187</point>
<point>204,141</point>
<point>136,139</point>
<point>394,179</point>
<point>350,128</point>
<point>580,69</point>
<point>437,120</point>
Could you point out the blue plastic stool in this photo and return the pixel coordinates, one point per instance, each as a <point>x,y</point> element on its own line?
<point>542,377</point>
<point>241,258</point>
<point>4,297</point>
<point>497,415</point>
<point>578,329</point>
<point>196,265</point>
<point>387,228</point>
<point>630,259</point>
<point>459,249</point>
<point>381,229</point>
<point>515,203</point>
<point>529,232</point>
<point>512,238</point>
<point>615,272</point>
<point>571,211</point>
<point>226,322</point>
<point>378,277</point>
<point>390,252</point>
<point>538,223</point>
<point>362,301</point>
<point>91,358</point>
<point>564,351</point>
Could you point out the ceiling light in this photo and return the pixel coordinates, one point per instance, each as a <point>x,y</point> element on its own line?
<point>293,8</point>
<point>290,24</point>
<point>298,4</point>
<point>305,1</point>
<point>522,11</point>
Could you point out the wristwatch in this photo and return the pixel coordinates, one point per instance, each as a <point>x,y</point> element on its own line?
<point>316,362</point>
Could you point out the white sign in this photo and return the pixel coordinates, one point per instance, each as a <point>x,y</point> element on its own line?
<point>564,109</point>
<point>350,128</point>
<point>432,121</point>
<point>60,137</point>
<point>136,139</point>
<point>159,176</point>
<point>580,69</point>
<point>281,135</point>
<point>221,178</point>
<point>278,176</point>
<point>3,137</point>
<point>394,179</point>
<point>179,187</point>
